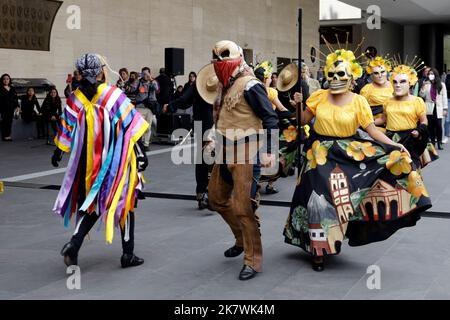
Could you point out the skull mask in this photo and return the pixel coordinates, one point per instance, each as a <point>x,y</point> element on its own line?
<point>379,75</point>
<point>339,76</point>
<point>227,58</point>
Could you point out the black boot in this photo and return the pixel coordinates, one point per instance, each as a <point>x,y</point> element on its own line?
<point>203,201</point>
<point>317,264</point>
<point>440,147</point>
<point>270,189</point>
<point>70,254</point>
<point>130,260</point>
<point>247,273</point>
<point>233,252</point>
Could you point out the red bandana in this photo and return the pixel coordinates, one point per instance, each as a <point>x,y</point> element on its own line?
<point>224,70</point>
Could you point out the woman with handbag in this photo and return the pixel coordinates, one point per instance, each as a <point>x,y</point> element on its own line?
<point>434,92</point>
<point>9,106</point>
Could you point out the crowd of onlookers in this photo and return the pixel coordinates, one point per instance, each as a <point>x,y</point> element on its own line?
<point>27,108</point>
<point>150,94</point>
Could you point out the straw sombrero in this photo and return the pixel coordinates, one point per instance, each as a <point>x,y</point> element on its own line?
<point>208,84</point>
<point>287,78</point>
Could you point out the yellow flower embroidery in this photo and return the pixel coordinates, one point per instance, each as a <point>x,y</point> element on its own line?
<point>359,151</point>
<point>399,163</point>
<point>317,155</point>
<point>416,186</point>
<point>290,134</point>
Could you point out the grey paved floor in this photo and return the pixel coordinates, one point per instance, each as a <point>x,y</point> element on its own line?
<point>184,247</point>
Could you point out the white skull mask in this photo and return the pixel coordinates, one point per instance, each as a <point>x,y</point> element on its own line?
<point>226,50</point>
<point>339,77</point>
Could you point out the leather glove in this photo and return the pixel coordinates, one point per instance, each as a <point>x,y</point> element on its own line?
<point>57,157</point>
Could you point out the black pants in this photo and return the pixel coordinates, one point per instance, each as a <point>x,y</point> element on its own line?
<point>86,223</point>
<point>202,173</point>
<point>7,120</point>
<point>435,127</point>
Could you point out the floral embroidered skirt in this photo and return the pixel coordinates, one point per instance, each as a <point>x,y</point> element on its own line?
<point>352,188</point>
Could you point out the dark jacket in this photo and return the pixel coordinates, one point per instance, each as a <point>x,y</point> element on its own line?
<point>165,89</point>
<point>8,102</point>
<point>75,85</point>
<point>202,110</point>
<point>51,108</point>
<point>30,108</point>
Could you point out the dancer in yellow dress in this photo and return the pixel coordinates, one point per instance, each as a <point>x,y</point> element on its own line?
<point>380,90</point>
<point>405,115</point>
<point>350,187</point>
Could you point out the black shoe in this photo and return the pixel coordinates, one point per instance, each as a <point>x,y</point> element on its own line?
<point>233,252</point>
<point>318,265</point>
<point>70,254</point>
<point>271,190</point>
<point>203,202</point>
<point>247,273</point>
<point>440,147</point>
<point>130,260</point>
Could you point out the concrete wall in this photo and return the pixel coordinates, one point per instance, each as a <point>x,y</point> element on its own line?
<point>388,39</point>
<point>134,33</point>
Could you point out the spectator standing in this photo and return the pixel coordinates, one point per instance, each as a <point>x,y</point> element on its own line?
<point>124,79</point>
<point>9,105</point>
<point>146,102</point>
<point>165,91</point>
<point>132,86</point>
<point>434,92</point>
<point>51,112</point>
<point>72,83</point>
<point>178,93</point>
<point>447,118</point>
<point>30,111</point>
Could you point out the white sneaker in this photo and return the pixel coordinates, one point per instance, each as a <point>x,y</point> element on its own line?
<point>445,140</point>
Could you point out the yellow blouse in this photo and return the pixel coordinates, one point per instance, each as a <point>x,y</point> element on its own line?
<point>272,93</point>
<point>403,115</point>
<point>336,121</point>
<point>377,96</point>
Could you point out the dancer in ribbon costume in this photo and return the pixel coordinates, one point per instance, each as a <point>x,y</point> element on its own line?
<point>380,90</point>
<point>405,117</point>
<point>349,187</point>
<point>100,128</point>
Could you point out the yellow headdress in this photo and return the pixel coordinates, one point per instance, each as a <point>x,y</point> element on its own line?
<point>342,54</point>
<point>268,68</point>
<point>345,56</point>
<point>378,62</point>
<point>410,69</point>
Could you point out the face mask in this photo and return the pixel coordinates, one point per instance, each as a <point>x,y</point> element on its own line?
<point>431,77</point>
<point>225,69</point>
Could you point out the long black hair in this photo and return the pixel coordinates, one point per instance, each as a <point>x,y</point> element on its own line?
<point>3,77</point>
<point>437,80</point>
<point>57,98</point>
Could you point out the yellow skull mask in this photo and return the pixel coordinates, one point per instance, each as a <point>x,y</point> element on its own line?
<point>339,77</point>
